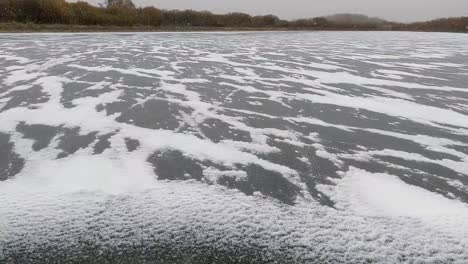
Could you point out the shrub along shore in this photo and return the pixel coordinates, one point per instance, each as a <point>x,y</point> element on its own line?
<point>123,15</point>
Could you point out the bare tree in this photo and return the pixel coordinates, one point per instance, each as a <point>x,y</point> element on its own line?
<point>120,4</point>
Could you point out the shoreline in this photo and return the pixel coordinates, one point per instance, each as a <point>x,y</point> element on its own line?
<point>67,28</point>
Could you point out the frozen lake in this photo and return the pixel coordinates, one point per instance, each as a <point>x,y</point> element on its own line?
<point>338,147</point>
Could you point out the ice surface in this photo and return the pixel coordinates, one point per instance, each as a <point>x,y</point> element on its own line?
<point>283,147</point>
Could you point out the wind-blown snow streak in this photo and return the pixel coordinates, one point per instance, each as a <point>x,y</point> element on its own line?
<point>300,147</point>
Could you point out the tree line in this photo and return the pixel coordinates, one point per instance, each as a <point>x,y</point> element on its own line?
<point>124,13</point>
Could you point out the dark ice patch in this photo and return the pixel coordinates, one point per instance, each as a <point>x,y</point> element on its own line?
<point>462,149</point>
<point>240,100</point>
<point>348,141</point>
<point>100,107</point>
<point>154,114</point>
<point>132,144</point>
<point>71,141</point>
<point>92,76</point>
<point>41,134</point>
<point>313,172</point>
<point>257,121</point>
<point>212,91</point>
<point>217,130</point>
<point>140,81</point>
<point>25,98</point>
<point>427,167</point>
<point>347,116</point>
<point>117,107</point>
<point>10,162</point>
<point>103,143</point>
<point>267,182</point>
<point>174,165</point>
<point>74,90</point>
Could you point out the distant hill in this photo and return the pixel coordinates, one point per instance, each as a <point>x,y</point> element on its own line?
<point>363,22</point>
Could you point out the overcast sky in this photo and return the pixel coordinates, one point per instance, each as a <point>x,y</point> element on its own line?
<point>397,10</point>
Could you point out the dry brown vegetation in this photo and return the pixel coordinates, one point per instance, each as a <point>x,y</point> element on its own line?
<point>123,13</point>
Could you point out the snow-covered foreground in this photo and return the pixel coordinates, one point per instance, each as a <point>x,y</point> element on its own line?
<point>234,148</point>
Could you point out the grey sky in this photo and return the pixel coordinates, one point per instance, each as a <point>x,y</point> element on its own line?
<point>397,10</point>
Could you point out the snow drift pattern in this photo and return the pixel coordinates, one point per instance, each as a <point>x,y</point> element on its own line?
<point>277,147</point>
